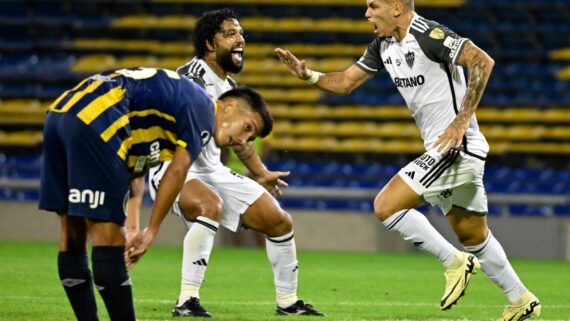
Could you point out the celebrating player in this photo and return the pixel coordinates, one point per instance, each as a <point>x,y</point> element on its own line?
<point>214,195</point>
<point>425,60</point>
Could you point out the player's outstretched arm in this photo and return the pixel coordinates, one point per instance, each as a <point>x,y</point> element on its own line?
<point>341,83</point>
<point>479,66</point>
<point>169,187</point>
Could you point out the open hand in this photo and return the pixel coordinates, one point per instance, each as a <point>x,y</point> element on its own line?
<point>296,66</point>
<point>452,137</point>
<point>272,181</point>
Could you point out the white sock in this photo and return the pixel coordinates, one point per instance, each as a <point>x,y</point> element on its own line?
<point>198,244</point>
<point>416,229</point>
<point>495,264</point>
<point>282,255</point>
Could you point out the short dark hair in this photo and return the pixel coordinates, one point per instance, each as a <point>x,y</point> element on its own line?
<point>407,3</point>
<point>207,26</point>
<point>256,102</point>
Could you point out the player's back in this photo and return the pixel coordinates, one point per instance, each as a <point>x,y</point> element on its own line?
<point>138,112</point>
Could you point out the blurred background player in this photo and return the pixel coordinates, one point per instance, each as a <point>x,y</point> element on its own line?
<point>424,60</point>
<point>91,154</point>
<point>214,195</point>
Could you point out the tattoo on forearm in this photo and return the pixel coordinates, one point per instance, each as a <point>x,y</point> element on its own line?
<point>245,153</point>
<point>477,77</point>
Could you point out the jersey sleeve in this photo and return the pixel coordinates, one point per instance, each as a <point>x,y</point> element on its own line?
<point>195,119</point>
<point>441,44</point>
<point>232,82</point>
<point>371,62</point>
<point>197,78</point>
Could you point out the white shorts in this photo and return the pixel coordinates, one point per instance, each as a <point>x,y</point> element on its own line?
<point>237,192</point>
<point>454,179</point>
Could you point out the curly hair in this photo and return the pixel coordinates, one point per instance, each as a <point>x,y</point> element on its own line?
<point>206,28</point>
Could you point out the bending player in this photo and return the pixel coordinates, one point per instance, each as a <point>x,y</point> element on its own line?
<point>103,134</point>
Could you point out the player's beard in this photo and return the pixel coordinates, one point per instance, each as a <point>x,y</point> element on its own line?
<point>227,63</point>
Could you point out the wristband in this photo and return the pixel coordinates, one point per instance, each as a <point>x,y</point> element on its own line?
<point>314,78</point>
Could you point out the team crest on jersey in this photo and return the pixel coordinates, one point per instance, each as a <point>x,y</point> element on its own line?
<point>437,34</point>
<point>205,136</point>
<point>410,57</point>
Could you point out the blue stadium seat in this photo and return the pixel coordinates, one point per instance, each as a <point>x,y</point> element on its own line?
<point>27,167</point>
<point>514,14</point>
<point>497,187</point>
<point>54,8</point>
<point>297,203</point>
<point>17,64</point>
<point>562,210</point>
<point>550,187</point>
<point>497,172</point>
<point>290,165</point>
<point>495,210</point>
<point>528,210</point>
<point>14,8</point>
<point>10,195</point>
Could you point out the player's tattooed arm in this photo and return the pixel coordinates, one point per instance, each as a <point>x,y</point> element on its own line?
<point>479,66</point>
<point>244,152</point>
<point>247,155</point>
<point>271,180</point>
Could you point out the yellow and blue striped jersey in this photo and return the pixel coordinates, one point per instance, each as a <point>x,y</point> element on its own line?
<point>142,113</point>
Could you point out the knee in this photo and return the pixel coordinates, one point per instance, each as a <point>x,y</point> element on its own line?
<point>472,237</point>
<point>281,225</point>
<point>211,208</point>
<point>382,209</point>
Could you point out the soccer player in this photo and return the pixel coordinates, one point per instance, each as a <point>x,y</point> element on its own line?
<point>102,134</point>
<point>425,60</point>
<point>213,195</point>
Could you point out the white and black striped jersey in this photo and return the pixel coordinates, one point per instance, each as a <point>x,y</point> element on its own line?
<point>197,70</point>
<point>422,66</point>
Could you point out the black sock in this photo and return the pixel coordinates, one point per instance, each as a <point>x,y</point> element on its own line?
<point>113,282</point>
<point>76,279</point>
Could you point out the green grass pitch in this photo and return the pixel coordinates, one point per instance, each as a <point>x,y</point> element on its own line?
<point>239,286</point>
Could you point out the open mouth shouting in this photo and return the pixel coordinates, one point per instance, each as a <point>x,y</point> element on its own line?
<point>376,28</point>
<point>237,55</point>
